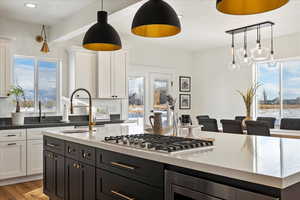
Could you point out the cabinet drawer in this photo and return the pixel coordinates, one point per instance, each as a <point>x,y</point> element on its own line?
<point>146,171</point>
<point>12,135</point>
<point>80,152</point>
<point>190,183</point>
<point>54,145</point>
<point>112,186</point>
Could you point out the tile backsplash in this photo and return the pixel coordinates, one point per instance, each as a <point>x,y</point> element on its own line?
<point>107,106</point>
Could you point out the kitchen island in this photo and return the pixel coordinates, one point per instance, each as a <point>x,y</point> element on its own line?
<point>237,167</point>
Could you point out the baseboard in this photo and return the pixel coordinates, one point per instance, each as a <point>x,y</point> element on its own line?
<point>21,179</point>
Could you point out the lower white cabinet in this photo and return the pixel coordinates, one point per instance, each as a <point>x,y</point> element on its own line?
<point>12,159</point>
<point>34,157</point>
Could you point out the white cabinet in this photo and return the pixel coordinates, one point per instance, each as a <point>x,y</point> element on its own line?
<point>34,157</point>
<point>35,149</point>
<point>119,74</point>
<point>12,135</point>
<point>83,72</point>
<point>104,75</point>
<point>5,66</point>
<point>112,74</point>
<point>12,159</point>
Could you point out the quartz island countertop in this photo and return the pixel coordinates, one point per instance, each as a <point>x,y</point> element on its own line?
<point>262,160</point>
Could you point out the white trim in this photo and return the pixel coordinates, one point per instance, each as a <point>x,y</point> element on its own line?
<point>36,84</point>
<point>21,180</point>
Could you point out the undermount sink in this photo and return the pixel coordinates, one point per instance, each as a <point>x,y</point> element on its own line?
<point>75,131</point>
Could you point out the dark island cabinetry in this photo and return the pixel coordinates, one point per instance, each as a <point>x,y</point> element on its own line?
<point>77,172</point>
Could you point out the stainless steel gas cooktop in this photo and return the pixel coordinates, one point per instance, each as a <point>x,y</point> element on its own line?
<point>158,143</point>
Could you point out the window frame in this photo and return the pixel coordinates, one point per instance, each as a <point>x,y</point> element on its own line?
<point>36,84</point>
<point>255,79</point>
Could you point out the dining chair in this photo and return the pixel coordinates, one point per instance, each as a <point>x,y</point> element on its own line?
<point>232,126</point>
<point>240,118</point>
<point>290,123</point>
<point>209,124</point>
<point>261,128</point>
<point>269,120</point>
<point>202,117</point>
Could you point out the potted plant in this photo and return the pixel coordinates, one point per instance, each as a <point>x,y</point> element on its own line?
<point>248,97</point>
<point>18,116</point>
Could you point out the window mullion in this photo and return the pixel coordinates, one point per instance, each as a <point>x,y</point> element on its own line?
<point>280,90</point>
<point>36,86</point>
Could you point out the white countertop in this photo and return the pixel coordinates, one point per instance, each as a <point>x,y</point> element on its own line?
<point>268,161</point>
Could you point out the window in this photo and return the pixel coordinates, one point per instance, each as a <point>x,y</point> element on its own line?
<point>39,79</point>
<point>279,95</point>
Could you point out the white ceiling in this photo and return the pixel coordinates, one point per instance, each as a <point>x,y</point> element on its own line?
<point>48,12</point>
<point>203,26</point>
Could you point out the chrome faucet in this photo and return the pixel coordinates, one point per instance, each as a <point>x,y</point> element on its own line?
<point>91,123</point>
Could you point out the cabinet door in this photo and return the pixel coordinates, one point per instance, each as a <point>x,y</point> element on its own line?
<point>119,75</point>
<point>54,175</point>
<point>85,73</point>
<point>80,180</point>
<point>104,75</point>
<point>12,159</point>
<point>34,157</point>
<point>72,180</point>
<point>5,73</point>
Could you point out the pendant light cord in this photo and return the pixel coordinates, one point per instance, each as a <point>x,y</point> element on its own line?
<point>245,43</point>
<point>272,40</point>
<point>232,46</point>
<point>101,5</point>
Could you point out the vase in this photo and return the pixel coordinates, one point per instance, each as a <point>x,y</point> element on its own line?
<point>17,119</point>
<point>247,118</point>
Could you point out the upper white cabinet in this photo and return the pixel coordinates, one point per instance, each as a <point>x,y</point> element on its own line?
<point>104,74</point>
<point>112,74</point>
<point>83,72</point>
<point>5,66</point>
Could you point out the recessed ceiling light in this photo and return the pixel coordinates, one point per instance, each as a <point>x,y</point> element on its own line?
<point>30,5</point>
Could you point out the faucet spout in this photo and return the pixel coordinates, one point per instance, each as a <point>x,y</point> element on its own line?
<point>91,123</point>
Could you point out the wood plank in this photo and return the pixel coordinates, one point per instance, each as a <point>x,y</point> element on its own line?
<point>24,191</point>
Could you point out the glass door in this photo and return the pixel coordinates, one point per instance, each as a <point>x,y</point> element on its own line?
<point>160,87</point>
<point>136,99</point>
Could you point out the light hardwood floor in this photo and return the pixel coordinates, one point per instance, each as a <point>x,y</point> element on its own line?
<point>23,191</point>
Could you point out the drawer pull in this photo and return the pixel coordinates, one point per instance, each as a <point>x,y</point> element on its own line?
<point>121,195</point>
<point>11,144</point>
<point>122,165</point>
<point>51,145</point>
<point>11,135</point>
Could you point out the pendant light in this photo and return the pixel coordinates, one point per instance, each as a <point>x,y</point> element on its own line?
<point>156,18</point>
<point>272,63</point>
<point>260,53</point>
<point>233,65</point>
<point>247,7</point>
<point>272,44</point>
<point>243,53</point>
<point>102,36</point>
<point>45,47</point>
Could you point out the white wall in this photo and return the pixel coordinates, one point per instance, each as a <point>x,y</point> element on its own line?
<point>151,58</point>
<point>215,86</point>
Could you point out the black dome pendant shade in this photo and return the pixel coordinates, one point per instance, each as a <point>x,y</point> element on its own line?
<point>156,18</point>
<point>248,7</point>
<point>102,36</point>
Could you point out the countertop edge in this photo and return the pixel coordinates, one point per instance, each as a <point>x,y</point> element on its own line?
<point>261,179</point>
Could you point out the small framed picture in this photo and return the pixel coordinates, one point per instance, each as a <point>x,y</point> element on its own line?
<point>184,101</point>
<point>184,84</point>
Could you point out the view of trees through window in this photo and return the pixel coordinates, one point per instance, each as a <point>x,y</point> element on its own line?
<point>38,78</point>
<point>279,94</point>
